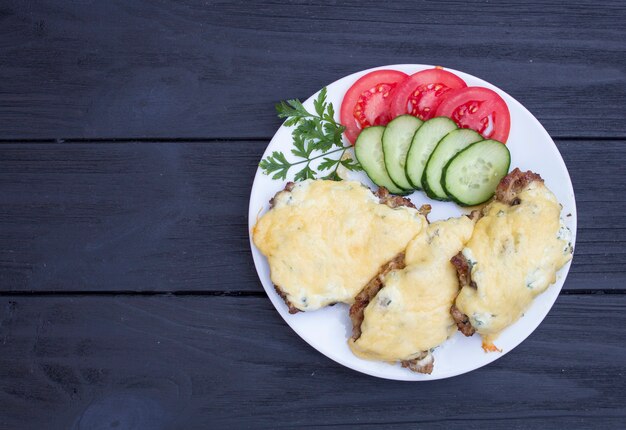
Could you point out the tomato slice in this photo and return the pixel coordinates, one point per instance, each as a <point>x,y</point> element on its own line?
<point>480,109</point>
<point>366,103</point>
<point>421,93</point>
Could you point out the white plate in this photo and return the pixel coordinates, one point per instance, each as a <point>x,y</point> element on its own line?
<point>327,330</point>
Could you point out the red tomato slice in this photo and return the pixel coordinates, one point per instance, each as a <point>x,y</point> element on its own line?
<point>480,109</point>
<point>421,93</point>
<point>366,103</point>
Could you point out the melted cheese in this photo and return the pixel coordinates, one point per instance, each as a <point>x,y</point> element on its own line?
<point>411,313</point>
<point>514,255</point>
<point>325,240</point>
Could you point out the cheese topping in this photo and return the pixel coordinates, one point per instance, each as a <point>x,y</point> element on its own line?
<point>514,254</point>
<point>325,240</point>
<point>411,313</point>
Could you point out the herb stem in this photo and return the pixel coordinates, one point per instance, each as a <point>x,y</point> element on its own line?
<point>344,148</point>
<point>334,172</point>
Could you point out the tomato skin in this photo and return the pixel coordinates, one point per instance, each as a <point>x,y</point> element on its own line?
<point>480,109</point>
<point>366,103</point>
<point>422,92</point>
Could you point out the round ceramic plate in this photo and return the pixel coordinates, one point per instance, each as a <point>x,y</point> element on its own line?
<point>328,329</point>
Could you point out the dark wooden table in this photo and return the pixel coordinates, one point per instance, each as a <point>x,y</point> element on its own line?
<point>131,131</point>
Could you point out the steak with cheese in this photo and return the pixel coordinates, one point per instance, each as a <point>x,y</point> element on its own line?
<point>325,240</point>
<point>404,313</point>
<point>517,247</point>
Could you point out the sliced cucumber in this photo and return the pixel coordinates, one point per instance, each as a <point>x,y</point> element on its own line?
<point>472,175</point>
<point>368,149</point>
<point>424,142</point>
<point>396,142</point>
<point>448,147</point>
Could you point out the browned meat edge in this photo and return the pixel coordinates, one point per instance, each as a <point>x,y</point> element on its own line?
<point>513,183</point>
<point>462,321</point>
<point>365,297</point>
<point>369,292</point>
<point>392,201</point>
<point>292,309</point>
<point>384,197</point>
<point>506,192</point>
<point>475,215</point>
<point>416,366</point>
<point>462,269</point>
<point>281,293</point>
<point>288,187</point>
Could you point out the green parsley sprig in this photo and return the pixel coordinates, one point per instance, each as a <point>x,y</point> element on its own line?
<point>316,135</point>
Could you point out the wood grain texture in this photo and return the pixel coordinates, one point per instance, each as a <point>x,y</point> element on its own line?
<point>214,69</point>
<point>199,362</point>
<point>83,219</point>
<point>140,217</point>
<point>173,216</point>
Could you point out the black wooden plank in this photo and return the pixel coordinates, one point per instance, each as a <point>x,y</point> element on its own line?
<point>159,216</point>
<point>216,362</point>
<point>214,69</point>
<point>150,216</point>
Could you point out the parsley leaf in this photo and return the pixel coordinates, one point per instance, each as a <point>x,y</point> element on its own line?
<point>306,173</point>
<point>320,103</point>
<point>351,164</point>
<point>293,111</point>
<point>302,148</point>
<point>333,176</point>
<point>328,163</point>
<point>315,135</point>
<point>276,163</point>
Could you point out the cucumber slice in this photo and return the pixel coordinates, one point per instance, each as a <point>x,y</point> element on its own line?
<point>448,147</point>
<point>396,142</point>
<point>424,142</point>
<point>368,149</point>
<point>472,175</point>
